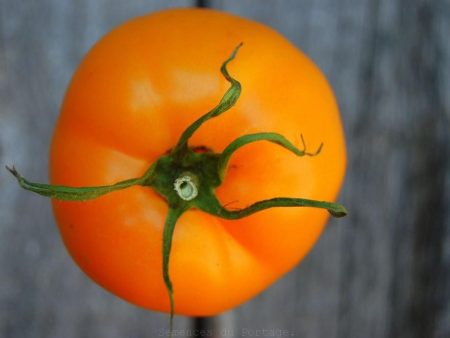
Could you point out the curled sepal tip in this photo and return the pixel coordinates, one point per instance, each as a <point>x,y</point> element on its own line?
<point>173,215</point>
<point>66,193</point>
<point>269,137</point>
<point>212,205</point>
<point>228,100</point>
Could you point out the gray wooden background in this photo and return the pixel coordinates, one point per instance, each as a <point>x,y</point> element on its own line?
<point>384,271</point>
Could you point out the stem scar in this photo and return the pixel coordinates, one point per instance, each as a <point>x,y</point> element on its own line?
<point>185,187</point>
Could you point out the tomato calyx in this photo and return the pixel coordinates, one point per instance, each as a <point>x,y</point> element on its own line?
<point>186,177</point>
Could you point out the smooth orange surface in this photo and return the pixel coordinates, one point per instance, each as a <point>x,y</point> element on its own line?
<point>129,101</point>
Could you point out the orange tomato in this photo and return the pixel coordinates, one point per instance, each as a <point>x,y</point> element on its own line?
<point>129,101</point>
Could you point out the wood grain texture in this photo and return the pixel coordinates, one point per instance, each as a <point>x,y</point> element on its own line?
<point>383,271</point>
<point>42,292</point>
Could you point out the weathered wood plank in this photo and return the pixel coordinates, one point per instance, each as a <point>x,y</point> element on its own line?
<point>383,271</point>
<point>42,292</point>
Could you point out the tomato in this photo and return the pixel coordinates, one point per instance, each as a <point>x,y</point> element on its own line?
<point>129,101</point>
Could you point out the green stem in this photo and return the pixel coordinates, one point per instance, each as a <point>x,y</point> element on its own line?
<point>228,100</point>
<point>171,219</point>
<point>66,193</point>
<point>270,137</point>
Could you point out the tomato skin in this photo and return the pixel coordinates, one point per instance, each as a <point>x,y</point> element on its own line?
<point>128,103</point>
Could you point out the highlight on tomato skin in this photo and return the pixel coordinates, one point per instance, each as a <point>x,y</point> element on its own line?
<point>144,100</point>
